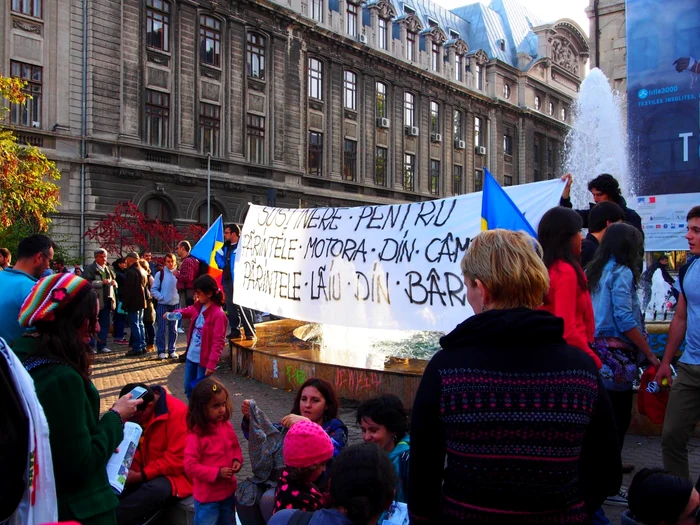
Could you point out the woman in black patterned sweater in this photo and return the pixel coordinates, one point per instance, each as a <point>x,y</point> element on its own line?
<point>522,417</point>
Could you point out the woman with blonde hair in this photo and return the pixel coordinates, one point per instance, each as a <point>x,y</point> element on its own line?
<point>521,416</point>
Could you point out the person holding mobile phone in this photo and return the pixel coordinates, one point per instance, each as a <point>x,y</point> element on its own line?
<point>63,310</point>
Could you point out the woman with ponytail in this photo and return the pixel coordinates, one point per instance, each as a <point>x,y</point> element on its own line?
<point>207,335</point>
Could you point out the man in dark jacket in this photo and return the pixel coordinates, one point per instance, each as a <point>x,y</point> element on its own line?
<point>602,215</point>
<point>225,259</point>
<point>134,303</point>
<point>603,188</point>
<point>104,282</point>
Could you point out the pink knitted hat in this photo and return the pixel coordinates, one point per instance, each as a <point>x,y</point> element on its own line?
<point>306,444</point>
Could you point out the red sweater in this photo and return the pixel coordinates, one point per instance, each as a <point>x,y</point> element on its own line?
<point>205,455</point>
<point>567,300</point>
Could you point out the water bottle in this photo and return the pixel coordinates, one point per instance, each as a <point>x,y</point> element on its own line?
<point>173,316</point>
<point>653,387</point>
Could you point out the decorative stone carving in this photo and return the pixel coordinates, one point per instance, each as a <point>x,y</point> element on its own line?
<point>315,104</point>
<point>24,26</point>
<point>564,55</point>
<point>461,47</point>
<point>256,85</point>
<point>384,9</point>
<point>351,115</point>
<point>209,73</point>
<point>157,58</point>
<point>413,24</point>
<point>130,174</point>
<point>481,57</point>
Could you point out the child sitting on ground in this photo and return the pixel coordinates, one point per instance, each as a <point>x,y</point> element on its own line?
<point>307,449</point>
<point>212,454</point>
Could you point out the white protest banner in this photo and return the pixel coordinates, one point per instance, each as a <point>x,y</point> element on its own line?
<point>663,220</point>
<point>393,266</point>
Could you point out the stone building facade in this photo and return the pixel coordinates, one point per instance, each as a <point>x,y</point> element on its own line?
<point>291,103</point>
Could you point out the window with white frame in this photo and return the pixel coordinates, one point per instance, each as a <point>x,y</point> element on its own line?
<point>550,109</point>
<point>477,132</point>
<point>317,10</point>
<point>506,91</point>
<point>255,56</point>
<point>457,125</point>
<point>209,40</point>
<point>409,172</point>
<point>479,74</point>
<point>27,7</point>
<point>434,117</point>
<point>435,56</point>
<point>459,67</point>
<point>351,19</point>
<point>409,109</point>
<point>383,34</point>
<point>410,46</point>
<point>538,103</point>
<point>350,90</point>
<point>382,110</point>
<point>315,79</point>
<point>29,113</point>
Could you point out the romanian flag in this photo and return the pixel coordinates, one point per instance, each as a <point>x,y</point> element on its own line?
<point>205,250</point>
<point>499,211</point>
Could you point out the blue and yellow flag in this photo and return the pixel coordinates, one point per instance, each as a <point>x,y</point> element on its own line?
<point>499,211</point>
<point>205,250</point>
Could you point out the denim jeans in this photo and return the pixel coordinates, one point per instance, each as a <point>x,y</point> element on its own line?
<point>192,372</point>
<point>215,513</point>
<point>104,317</point>
<point>119,324</point>
<point>138,332</point>
<point>171,327</point>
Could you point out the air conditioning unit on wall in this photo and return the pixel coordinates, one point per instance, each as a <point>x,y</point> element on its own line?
<point>481,150</point>
<point>412,131</point>
<point>362,38</point>
<point>382,122</point>
<point>460,144</point>
<point>436,137</point>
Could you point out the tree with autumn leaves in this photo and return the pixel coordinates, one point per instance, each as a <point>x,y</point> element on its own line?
<point>27,194</point>
<point>127,229</point>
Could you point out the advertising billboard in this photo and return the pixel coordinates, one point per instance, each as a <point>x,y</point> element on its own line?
<point>663,83</point>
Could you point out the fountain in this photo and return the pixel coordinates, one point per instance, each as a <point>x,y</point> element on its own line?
<point>597,141</point>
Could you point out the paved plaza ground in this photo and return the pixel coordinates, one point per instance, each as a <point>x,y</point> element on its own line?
<point>112,371</point>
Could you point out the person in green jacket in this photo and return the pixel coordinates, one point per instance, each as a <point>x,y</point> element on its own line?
<point>383,421</point>
<point>63,310</point>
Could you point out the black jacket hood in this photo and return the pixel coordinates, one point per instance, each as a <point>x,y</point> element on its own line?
<point>509,327</point>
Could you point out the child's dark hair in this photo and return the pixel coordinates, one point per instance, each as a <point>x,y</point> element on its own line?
<point>148,397</point>
<point>301,474</point>
<point>386,410</point>
<point>362,482</point>
<point>206,284</point>
<point>203,391</point>
<point>328,393</point>
<point>651,486</point>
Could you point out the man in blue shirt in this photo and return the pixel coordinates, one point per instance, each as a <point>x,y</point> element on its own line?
<point>34,255</point>
<point>683,410</point>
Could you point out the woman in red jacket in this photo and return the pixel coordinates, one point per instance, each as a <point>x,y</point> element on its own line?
<point>559,233</point>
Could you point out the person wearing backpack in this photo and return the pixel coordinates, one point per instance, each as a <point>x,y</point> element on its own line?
<point>683,410</point>
<point>164,291</point>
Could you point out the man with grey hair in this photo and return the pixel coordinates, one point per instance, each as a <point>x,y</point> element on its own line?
<point>104,281</point>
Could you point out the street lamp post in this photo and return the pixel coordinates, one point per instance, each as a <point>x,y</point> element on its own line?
<point>208,190</point>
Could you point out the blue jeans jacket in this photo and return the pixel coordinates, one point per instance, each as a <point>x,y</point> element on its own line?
<point>615,302</point>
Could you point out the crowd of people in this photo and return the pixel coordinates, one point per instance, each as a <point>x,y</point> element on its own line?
<point>519,418</point>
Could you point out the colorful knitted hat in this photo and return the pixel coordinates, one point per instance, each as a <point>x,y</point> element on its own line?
<point>48,296</point>
<point>306,444</point>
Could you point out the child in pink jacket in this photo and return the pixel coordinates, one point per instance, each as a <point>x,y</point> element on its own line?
<point>212,454</point>
<point>207,335</point>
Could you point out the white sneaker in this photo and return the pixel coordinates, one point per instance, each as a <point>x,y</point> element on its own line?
<point>619,499</point>
<point>162,355</point>
<point>104,351</point>
<point>180,330</point>
<point>174,355</point>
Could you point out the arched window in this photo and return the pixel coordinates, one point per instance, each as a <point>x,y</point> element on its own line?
<point>201,216</point>
<point>538,103</point>
<point>255,56</point>
<point>550,109</point>
<point>506,91</point>
<point>156,209</point>
<point>563,114</point>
